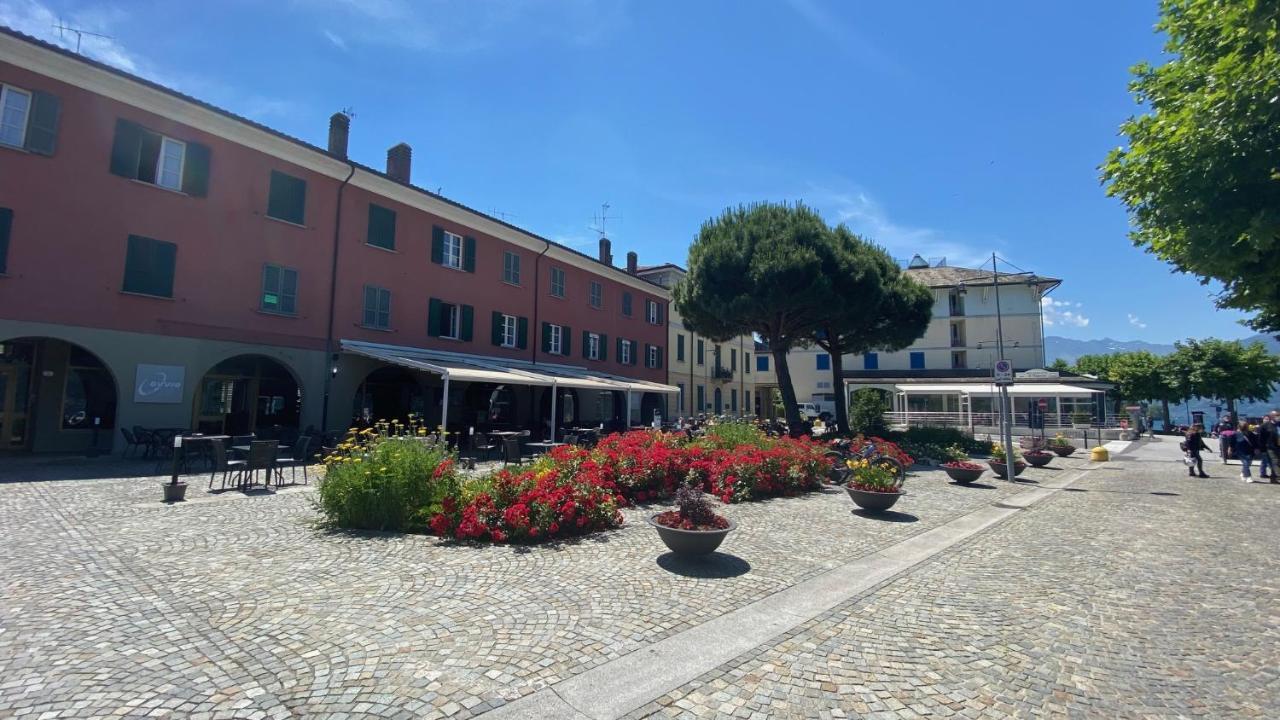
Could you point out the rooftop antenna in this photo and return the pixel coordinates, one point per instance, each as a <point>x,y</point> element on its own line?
<point>349,111</point>
<point>600,220</point>
<point>80,33</point>
<point>501,215</point>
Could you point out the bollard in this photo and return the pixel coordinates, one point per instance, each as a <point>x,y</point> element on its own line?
<point>1099,454</point>
<point>175,491</point>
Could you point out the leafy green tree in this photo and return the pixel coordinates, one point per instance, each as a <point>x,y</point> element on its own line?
<point>1142,375</point>
<point>759,269</point>
<point>1201,174</point>
<point>1060,365</point>
<point>873,306</point>
<point>1229,370</point>
<point>866,411</point>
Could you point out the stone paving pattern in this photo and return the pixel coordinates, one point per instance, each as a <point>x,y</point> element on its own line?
<point>240,607</point>
<point>1136,593</point>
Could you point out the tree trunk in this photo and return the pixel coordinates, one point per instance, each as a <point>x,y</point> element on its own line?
<point>789,405</point>
<point>837,383</point>
<point>1168,421</point>
<point>1231,409</point>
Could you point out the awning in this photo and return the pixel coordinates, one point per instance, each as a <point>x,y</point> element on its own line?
<point>474,368</point>
<point>1017,389</point>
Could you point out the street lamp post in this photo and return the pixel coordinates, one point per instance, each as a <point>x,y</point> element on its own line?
<point>1006,420</point>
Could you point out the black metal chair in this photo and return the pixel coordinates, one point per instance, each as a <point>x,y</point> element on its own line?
<point>301,456</point>
<point>146,439</point>
<point>482,444</point>
<point>131,442</point>
<point>571,439</point>
<point>511,451</point>
<point>262,456</point>
<point>224,465</point>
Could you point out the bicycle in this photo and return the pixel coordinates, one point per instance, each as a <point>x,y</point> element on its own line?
<point>842,451</point>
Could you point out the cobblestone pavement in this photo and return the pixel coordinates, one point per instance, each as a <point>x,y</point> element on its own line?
<point>239,607</point>
<point>1137,593</point>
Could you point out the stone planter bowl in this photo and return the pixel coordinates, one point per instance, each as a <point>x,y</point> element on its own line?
<point>1062,450</point>
<point>999,468</point>
<point>1039,460</point>
<point>873,501</point>
<point>963,475</point>
<point>690,542</point>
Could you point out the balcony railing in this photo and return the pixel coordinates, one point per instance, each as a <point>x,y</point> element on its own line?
<point>721,373</point>
<point>957,310</point>
<point>957,342</point>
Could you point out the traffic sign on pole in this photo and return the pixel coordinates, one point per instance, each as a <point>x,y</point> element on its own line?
<point>1004,372</point>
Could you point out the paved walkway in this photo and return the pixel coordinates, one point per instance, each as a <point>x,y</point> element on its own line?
<point>1113,601</point>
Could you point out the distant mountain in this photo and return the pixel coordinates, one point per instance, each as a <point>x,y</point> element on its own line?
<point>1069,349</point>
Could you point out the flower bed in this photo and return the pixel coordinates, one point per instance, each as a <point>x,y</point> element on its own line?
<point>379,482</point>
<point>961,465</point>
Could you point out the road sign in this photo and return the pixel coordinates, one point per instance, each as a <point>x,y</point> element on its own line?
<point>1004,372</point>
<point>1044,404</point>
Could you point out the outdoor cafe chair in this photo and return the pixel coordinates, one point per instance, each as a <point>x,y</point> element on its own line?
<point>482,444</point>
<point>571,439</point>
<point>511,451</point>
<point>301,456</point>
<point>262,456</point>
<point>223,465</point>
<point>131,442</point>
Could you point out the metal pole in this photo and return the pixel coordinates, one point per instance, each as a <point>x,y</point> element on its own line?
<point>627,417</point>
<point>1005,420</point>
<point>553,411</point>
<point>177,449</point>
<point>444,413</point>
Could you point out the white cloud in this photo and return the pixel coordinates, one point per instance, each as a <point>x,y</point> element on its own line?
<point>467,25</point>
<point>334,38</point>
<point>38,20</point>
<point>1135,321</point>
<point>1061,312</point>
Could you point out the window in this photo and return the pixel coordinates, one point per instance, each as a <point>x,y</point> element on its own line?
<point>452,251</point>
<point>624,352</point>
<point>958,361</point>
<point>653,312</point>
<point>680,396</point>
<point>149,266</point>
<point>510,331</point>
<point>733,399</point>
<point>556,346</point>
<point>382,227</point>
<point>626,304</point>
<point>824,361</point>
<point>15,108</point>
<point>556,339</point>
<point>593,346</point>
<point>733,359</point>
<point>699,352</point>
<point>6,226</point>
<point>917,361</point>
<point>653,356</point>
<point>140,154</point>
<point>28,119</point>
<point>762,363</point>
<point>870,361</point>
<point>511,268</point>
<point>279,289</point>
<point>448,320</point>
<point>557,282</point>
<point>680,348</point>
<point>596,292</point>
<point>746,363</point>
<point>377,308</point>
<point>288,198</point>
<point>701,397</point>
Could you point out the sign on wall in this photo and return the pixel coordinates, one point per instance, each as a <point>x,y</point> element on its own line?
<point>158,383</point>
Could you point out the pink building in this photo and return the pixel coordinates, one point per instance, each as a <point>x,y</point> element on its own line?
<point>195,269</point>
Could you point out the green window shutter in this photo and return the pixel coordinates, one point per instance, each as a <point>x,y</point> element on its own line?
<point>635,352</point>
<point>125,148</point>
<point>382,227</point>
<point>42,123</point>
<point>434,308</point>
<point>270,299</point>
<point>468,316</point>
<point>659,356</point>
<point>149,266</point>
<point>469,254</point>
<point>287,199</point>
<point>195,170</point>
<point>495,332</point>
<point>288,290</point>
<point>586,344</point>
<point>660,312</point>
<point>522,333</point>
<point>604,347</point>
<point>437,245</point>
<point>6,226</point>
<point>566,340</point>
<point>546,337</point>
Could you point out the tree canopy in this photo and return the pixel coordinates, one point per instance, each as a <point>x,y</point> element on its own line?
<point>1201,174</point>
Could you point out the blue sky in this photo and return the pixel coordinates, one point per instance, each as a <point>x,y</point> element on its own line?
<point>948,129</point>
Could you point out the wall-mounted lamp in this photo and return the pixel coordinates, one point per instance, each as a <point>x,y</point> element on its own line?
<point>333,369</point>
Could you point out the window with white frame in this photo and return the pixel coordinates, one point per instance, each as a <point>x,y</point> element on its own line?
<point>597,292</point>
<point>652,360</point>
<point>169,164</point>
<point>624,357</point>
<point>449,321</point>
<point>651,312</point>
<point>593,346</point>
<point>508,331</point>
<point>557,282</point>
<point>556,341</point>
<point>15,107</point>
<point>511,268</point>
<point>452,256</point>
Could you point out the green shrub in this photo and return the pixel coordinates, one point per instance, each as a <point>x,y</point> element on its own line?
<point>727,436</point>
<point>373,482</point>
<point>866,412</point>
<point>944,437</point>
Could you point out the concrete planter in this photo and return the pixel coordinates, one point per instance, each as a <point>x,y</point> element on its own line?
<point>873,501</point>
<point>690,542</point>
<point>999,468</point>
<point>174,492</point>
<point>963,475</point>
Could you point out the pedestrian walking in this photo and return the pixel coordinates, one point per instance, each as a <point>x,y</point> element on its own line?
<point>1245,443</point>
<point>1266,438</point>
<point>1193,444</point>
<point>1272,446</point>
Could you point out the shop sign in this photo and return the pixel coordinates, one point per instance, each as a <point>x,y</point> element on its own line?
<point>158,383</point>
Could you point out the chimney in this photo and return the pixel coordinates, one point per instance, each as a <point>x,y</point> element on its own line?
<point>606,251</point>
<point>339,130</point>
<point>633,262</point>
<point>398,161</point>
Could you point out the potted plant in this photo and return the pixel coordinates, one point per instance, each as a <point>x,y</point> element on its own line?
<point>1038,458</point>
<point>963,471</point>
<point>873,487</point>
<point>999,462</point>
<point>1060,445</point>
<point>693,528</point>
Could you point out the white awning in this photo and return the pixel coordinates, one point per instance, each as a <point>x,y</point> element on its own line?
<point>474,368</point>
<point>1017,389</point>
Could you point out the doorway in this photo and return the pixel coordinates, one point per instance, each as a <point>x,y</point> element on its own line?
<point>247,394</point>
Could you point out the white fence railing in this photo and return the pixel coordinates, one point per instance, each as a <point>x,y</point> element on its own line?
<point>1052,421</point>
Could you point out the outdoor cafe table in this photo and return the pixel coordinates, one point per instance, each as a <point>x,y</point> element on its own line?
<point>545,445</point>
<point>200,441</point>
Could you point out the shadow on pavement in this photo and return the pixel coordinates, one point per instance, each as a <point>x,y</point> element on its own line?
<point>886,516</point>
<point>1161,493</point>
<point>716,565</point>
<point>980,486</point>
